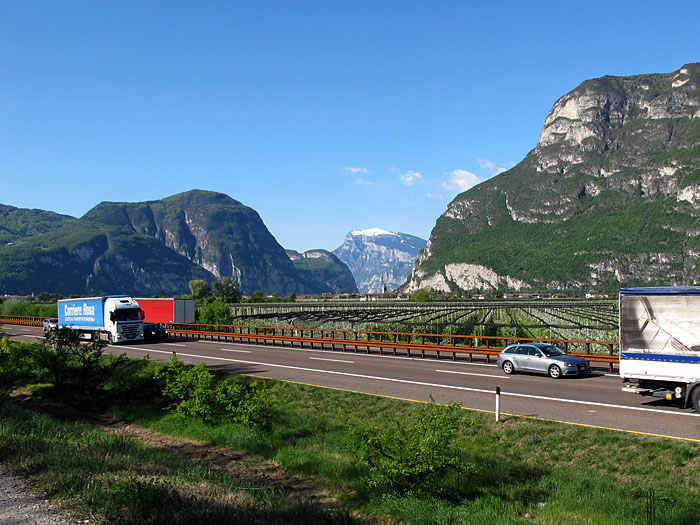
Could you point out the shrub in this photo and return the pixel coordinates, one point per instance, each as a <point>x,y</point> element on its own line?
<point>190,389</point>
<point>216,312</point>
<point>193,392</point>
<point>247,404</point>
<point>410,457</point>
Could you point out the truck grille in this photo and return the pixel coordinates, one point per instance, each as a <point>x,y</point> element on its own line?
<point>130,330</point>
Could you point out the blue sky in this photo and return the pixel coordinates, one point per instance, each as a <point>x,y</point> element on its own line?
<point>322,116</point>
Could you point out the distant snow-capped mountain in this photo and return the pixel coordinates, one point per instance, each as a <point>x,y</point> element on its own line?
<point>378,257</point>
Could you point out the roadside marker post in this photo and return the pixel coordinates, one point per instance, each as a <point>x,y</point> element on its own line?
<point>498,404</point>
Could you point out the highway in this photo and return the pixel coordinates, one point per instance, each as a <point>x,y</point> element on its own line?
<point>595,400</point>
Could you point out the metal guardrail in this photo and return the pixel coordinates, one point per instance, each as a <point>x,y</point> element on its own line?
<point>437,344</point>
<point>23,320</point>
<point>470,345</point>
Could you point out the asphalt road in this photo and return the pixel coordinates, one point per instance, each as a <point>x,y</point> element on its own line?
<point>595,400</point>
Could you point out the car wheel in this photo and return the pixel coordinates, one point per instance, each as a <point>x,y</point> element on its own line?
<point>508,367</point>
<point>554,372</point>
<point>695,398</point>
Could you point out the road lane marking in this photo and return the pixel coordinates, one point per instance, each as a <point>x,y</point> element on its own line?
<point>434,385</point>
<point>334,360</point>
<point>234,350</point>
<point>483,411</point>
<point>471,374</point>
<point>173,344</point>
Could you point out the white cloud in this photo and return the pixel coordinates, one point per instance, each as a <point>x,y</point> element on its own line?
<point>409,178</point>
<point>365,182</point>
<point>351,169</point>
<point>460,180</point>
<point>493,168</point>
<point>438,196</point>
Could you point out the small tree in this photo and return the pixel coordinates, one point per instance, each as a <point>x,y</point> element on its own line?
<point>215,312</point>
<point>75,364</point>
<point>410,457</point>
<point>199,289</point>
<point>424,295</point>
<point>258,297</point>
<point>226,290</point>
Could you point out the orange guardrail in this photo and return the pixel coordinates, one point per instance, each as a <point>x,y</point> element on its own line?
<point>488,346</point>
<point>469,345</point>
<point>20,319</point>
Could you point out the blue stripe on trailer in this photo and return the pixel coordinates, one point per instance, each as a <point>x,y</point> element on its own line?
<point>662,290</point>
<point>662,358</point>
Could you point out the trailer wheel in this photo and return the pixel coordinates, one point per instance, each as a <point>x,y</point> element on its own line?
<point>695,398</point>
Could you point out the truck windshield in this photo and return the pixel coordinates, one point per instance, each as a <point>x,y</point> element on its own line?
<point>126,314</point>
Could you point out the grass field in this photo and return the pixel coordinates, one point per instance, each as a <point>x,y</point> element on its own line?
<point>522,470</point>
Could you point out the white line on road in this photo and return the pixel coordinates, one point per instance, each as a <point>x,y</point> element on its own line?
<point>471,374</point>
<point>173,344</point>
<point>233,350</point>
<point>334,360</point>
<point>435,385</point>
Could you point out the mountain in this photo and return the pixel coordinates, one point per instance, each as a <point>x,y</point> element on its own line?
<point>323,272</point>
<point>145,248</point>
<point>609,196</point>
<point>17,223</point>
<point>213,231</point>
<point>85,259</point>
<point>377,257</point>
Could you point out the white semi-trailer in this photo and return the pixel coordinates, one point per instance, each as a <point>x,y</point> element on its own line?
<point>114,318</point>
<point>660,343</point>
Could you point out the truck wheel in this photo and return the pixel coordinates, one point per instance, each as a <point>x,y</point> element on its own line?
<point>554,372</point>
<point>695,398</point>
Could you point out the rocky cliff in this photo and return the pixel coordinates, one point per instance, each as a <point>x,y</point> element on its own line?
<point>608,197</point>
<point>323,272</point>
<point>213,231</point>
<point>378,258</point>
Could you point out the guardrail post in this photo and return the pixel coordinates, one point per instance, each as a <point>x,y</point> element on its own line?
<point>498,404</point>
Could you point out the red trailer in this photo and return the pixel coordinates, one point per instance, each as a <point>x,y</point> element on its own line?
<point>167,310</point>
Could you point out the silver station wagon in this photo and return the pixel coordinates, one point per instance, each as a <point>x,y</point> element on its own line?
<point>541,358</point>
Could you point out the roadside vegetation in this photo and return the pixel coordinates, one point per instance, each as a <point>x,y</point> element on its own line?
<point>382,459</point>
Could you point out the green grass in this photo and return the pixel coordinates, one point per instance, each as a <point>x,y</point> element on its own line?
<point>118,480</point>
<point>525,470</point>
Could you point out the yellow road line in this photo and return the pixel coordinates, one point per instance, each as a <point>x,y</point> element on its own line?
<point>585,425</point>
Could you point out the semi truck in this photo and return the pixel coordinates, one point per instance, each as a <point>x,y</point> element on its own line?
<point>167,310</point>
<point>113,318</point>
<point>660,343</point>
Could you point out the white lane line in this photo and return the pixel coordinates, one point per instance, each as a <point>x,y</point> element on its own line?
<point>233,350</point>
<point>173,344</point>
<point>435,385</point>
<point>334,360</point>
<point>471,374</point>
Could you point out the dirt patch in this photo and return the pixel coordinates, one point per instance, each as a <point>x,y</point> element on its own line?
<point>238,464</point>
